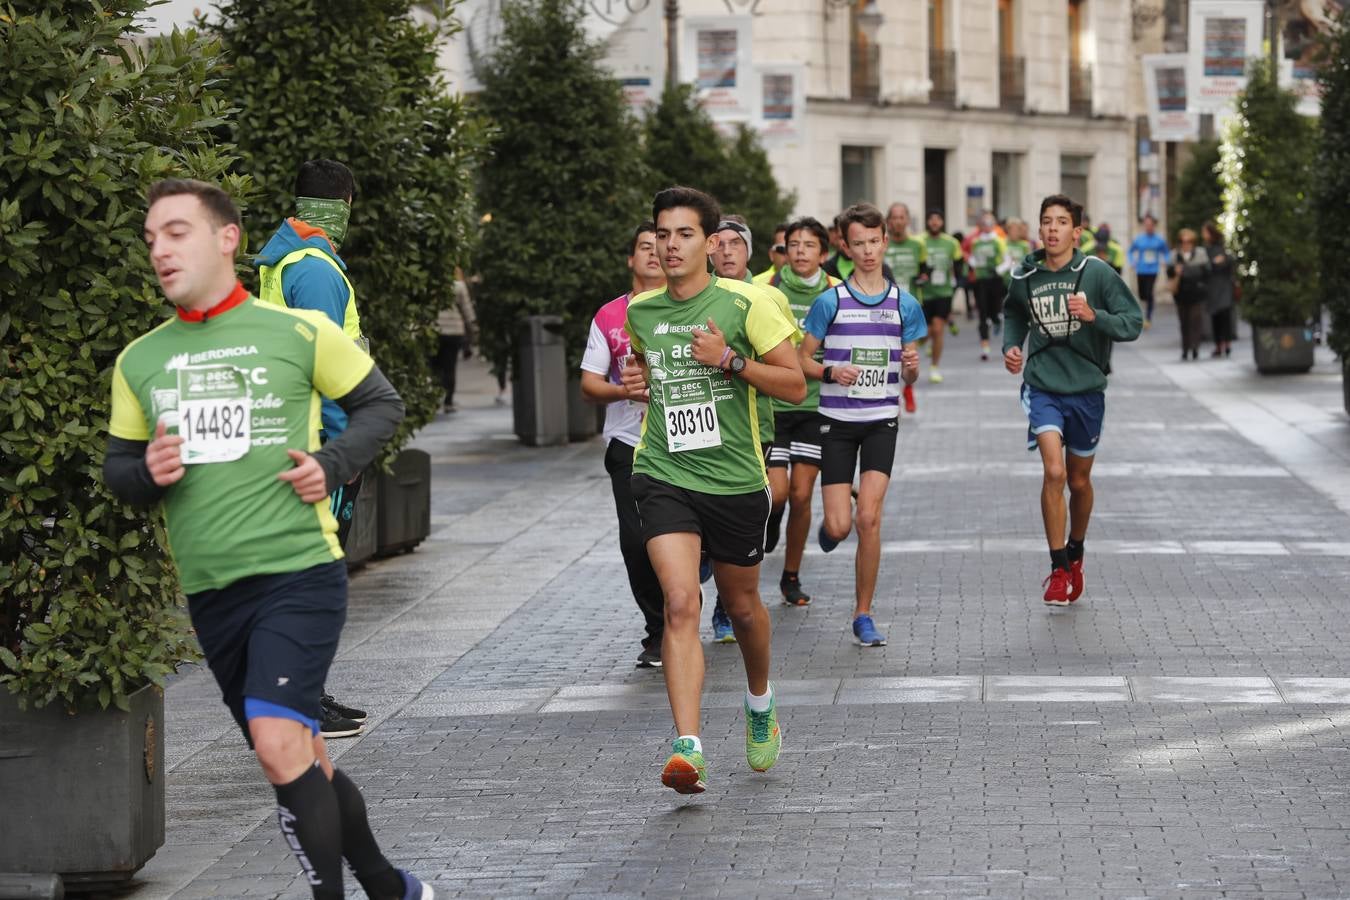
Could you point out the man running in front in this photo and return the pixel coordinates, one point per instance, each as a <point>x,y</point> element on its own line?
<point>704,347</point>
<point>245,499</point>
<point>1071,310</point>
<point>869,330</point>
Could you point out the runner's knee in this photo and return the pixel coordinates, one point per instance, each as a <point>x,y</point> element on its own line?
<point>682,609</point>
<point>1080,482</point>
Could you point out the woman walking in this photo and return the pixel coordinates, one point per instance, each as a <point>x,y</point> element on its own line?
<point>458,327</point>
<point>1190,278</point>
<point>1220,284</point>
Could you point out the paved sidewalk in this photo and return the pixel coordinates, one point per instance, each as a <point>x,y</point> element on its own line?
<point>1181,732</point>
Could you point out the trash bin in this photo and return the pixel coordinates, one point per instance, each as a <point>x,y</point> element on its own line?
<point>404,503</point>
<point>361,540</point>
<point>539,393</point>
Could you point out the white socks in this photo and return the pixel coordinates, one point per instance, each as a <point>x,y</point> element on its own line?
<point>698,745</point>
<point>759,704</point>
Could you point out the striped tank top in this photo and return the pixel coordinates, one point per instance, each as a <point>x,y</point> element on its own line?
<point>870,337</point>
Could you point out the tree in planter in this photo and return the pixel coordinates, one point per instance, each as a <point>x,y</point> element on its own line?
<point>357,81</point>
<point>1199,196</point>
<point>88,600</point>
<point>1265,168</point>
<point>1333,183</point>
<point>564,184</point>
<point>683,146</point>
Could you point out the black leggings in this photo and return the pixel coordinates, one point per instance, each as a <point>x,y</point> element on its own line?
<point>1146,283</point>
<point>641,576</point>
<point>1222,323</point>
<point>989,293</point>
<point>447,362</point>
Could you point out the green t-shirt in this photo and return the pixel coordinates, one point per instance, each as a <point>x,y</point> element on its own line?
<point>800,296</point>
<point>1017,251</point>
<point>243,387</point>
<point>986,252</point>
<point>905,257</point>
<point>701,431</point>
<point>943,251</point>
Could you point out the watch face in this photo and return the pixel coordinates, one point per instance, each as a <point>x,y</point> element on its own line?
<point>738,364</point>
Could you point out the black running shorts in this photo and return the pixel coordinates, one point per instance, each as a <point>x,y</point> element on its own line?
<point>731,525</point>
<point>273,637</point>
<point>937,308</point>
<point>796,439</point>
<point>846,446</point>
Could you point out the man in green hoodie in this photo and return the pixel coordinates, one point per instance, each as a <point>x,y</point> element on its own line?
<point>1070,309</point>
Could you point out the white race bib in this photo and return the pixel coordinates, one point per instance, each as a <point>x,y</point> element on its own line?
<point>691,415</point>
<point>214,412</point>
<point>1150,257</point>
<point>938,278</point>
<point>874,364</point>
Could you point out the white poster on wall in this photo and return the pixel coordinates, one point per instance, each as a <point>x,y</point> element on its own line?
<point>633,34</point>
<point>1165,94</point>
<point>781,102</point>
<point>1224,36</point>
<point>715,54</point>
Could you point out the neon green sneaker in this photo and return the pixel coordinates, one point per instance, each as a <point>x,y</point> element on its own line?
<point>763,739</point>
<point>685,771</point>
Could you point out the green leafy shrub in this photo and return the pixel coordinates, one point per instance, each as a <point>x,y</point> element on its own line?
<point>683,146</point>
<point>1265,168</point>
<point>1199,195</point>
<point>1333,182</point>
<point>357,81</point>
<point>565,184</point>
<point>88,601</point>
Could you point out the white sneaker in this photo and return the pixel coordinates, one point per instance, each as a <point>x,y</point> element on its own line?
<point>934,377</point>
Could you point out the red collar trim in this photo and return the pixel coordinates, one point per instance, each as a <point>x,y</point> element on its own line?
<point>237,296</point>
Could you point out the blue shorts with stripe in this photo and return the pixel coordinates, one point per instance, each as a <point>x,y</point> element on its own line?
<point>1077,418</point>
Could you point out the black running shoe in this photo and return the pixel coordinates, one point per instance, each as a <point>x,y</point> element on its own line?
<point>793,595</point>
<point>332,725</point>
<point>771,530</point>
<point>650,657</point>
<point>346,712</point>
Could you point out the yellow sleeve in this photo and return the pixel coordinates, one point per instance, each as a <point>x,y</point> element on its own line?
<point>339,365</point>
<point>958,253</point>
<point>128,419</point>
<point>765,325</point>
<point>783,307</point>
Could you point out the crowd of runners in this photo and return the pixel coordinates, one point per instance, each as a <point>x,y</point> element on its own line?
<point>250,418</point>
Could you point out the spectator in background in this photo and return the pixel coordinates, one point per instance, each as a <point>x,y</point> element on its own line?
<point>1189,272</point>
<point>458,327</point>
<point>1220,301</point>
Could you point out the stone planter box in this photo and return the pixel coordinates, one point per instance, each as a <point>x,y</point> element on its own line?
<point>83,794</point>
<point>1282,350</point>
<point>404,502</point>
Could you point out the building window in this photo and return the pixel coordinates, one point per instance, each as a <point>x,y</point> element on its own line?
<point>1074,172</point>
<point>935,180</point>
<point>941,61</point>
<point>1080,72</point>
<point>864,58</point>
<point>1012,68</point>
<point>858,175</point>
<point>1007,172</point>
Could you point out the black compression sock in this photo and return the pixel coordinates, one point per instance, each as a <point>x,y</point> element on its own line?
<point>1059,559</point>
<point>374,872</point>
<point>1074,549</point>
<point>788,577</point>
<point>307,809</point>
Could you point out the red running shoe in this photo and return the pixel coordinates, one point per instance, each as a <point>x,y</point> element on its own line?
<point>1057,588</point>
<point>909,398</point>
<point>1075,580</point>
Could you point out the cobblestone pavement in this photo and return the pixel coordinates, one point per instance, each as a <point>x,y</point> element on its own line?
<point>1183,732</point>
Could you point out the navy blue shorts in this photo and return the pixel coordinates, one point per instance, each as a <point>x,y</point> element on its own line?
<point>271,639</point>
<point>1076,417</point>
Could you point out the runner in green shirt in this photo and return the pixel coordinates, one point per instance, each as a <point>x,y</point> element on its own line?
<point>907,256</point>
<point>215,416</point>
<point>946,263</point>
<point>986,250</point>
<point>703,348</point>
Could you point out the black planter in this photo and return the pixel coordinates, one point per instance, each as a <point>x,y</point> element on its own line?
<point>363,539</point>
<point>1282,350</point>
<point>83,794</point>
<point>404,502</point>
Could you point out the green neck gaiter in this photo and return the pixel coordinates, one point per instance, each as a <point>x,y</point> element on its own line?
<point>330,215</point>
<point>797,284</point>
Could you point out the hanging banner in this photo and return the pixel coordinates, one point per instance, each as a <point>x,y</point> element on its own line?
<point>1165,94</point>
<point>633,34</point>
<point>1224,35</point>
<point>715,55</point>
<point>781,103</point>
<point>1303,26</point>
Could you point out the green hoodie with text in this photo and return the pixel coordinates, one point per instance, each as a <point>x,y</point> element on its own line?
<point>1065,355</point>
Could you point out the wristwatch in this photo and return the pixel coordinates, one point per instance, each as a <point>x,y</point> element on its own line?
<point>737,365</point>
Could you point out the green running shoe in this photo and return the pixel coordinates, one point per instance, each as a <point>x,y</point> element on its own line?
<point>763,739</point>
<point>685,771</point>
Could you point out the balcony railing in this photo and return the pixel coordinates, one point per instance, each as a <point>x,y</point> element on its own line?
<point>1080,90</point>
<point>942,75</point>
<point>1012,82</point>
<point>864,71</point>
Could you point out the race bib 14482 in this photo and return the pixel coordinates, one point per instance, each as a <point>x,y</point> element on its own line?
<point>213,413</point>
